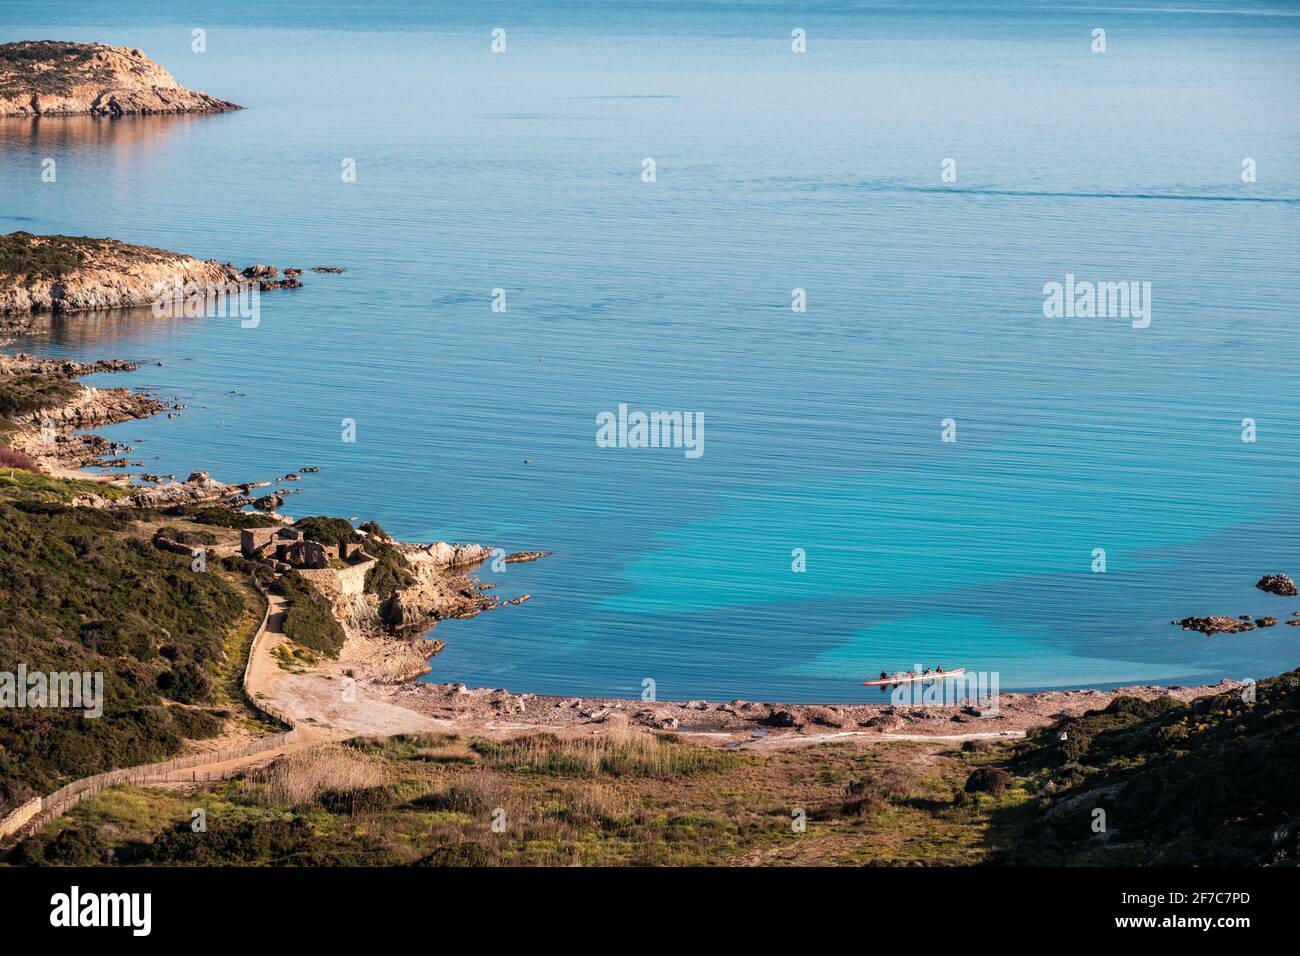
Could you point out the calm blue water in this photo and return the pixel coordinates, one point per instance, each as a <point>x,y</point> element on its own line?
<point>775,171</point>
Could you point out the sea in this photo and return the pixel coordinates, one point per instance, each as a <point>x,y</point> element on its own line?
<point>826,235</point>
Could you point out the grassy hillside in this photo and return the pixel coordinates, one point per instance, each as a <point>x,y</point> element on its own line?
<point>84,590</point>
<point>309,622</point>
<point>430,800</point>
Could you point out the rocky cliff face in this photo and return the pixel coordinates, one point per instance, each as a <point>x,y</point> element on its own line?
<point>77,274</point>
<point>44,77</point>
<point>440,590</point>
<point>386,637</point>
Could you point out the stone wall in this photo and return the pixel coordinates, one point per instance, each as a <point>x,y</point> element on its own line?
<point>348,582</point>
<point>14,821</point>
<point>250,539</point>
<point>353,579</point>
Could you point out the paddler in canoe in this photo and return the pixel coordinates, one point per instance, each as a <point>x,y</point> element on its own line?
<point>934,672</point>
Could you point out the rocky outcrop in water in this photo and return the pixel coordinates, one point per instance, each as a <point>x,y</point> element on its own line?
<point>1277,584</point>
<point>54,77</point>
<point>522,557</point>
<point>1214,624</point>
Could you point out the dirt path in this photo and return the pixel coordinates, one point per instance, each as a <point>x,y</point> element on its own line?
<point>324,703</point>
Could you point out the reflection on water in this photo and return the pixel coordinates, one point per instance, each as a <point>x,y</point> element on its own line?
<point>51,133</point>
<point>99,332</point>
<point>109,151</point>
<point>823,428</point>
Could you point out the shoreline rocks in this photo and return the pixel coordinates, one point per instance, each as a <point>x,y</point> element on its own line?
<point>56,274</point>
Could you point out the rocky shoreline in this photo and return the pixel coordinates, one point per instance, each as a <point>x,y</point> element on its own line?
<point>495,710</point>
<point>386,638</point>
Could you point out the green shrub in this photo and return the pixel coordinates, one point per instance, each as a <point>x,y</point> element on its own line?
<point>309,621</point>
<point>988,780</point>
<point>223,517</point>
<point>390,571</point>
<point>24,394</point>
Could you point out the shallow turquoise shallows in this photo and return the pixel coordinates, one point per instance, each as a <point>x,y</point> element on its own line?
<point>774,171</point>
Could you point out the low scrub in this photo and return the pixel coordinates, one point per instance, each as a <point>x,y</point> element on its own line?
<point>82,593</point>
<point>24,394</point>
<point>310,620</point>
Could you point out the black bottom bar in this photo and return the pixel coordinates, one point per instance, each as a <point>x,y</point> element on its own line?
<point>967,904</point>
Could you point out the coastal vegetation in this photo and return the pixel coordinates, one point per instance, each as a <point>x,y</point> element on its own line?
<point>25,254</point>
<point>13,458</point>
<point>40,77</point>
<point>23,394</point>
<point>220,517</point>
<point>1210,783</point>
<point>23,57</point>
<point>85,591</point>
<point>20,484</point>
<point>1180,783</point>
<point>309,621</point>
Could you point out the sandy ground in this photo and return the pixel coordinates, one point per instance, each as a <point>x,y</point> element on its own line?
<point>325,697</point>
<point>323,703</point>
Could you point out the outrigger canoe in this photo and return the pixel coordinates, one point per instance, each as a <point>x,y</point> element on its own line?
<point>914,678</point>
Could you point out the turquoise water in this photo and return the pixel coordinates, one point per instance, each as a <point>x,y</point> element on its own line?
<point>819,171</point>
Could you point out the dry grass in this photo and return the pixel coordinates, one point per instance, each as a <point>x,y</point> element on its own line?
<point>614,754</point>
<point>633,799</point>
<point>476,795</point>
<point>446,753</point>
<point>300,779</point>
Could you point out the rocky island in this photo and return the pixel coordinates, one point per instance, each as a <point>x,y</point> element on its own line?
<point>52,77</point>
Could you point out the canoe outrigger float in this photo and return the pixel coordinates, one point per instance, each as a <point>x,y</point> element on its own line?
<point>901,679</point>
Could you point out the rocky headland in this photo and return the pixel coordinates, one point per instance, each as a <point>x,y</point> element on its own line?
<point>63,274</point>
<point>54,77</point>
<point>78,273</point>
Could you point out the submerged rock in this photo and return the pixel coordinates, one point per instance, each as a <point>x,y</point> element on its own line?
<point>519,557</point>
